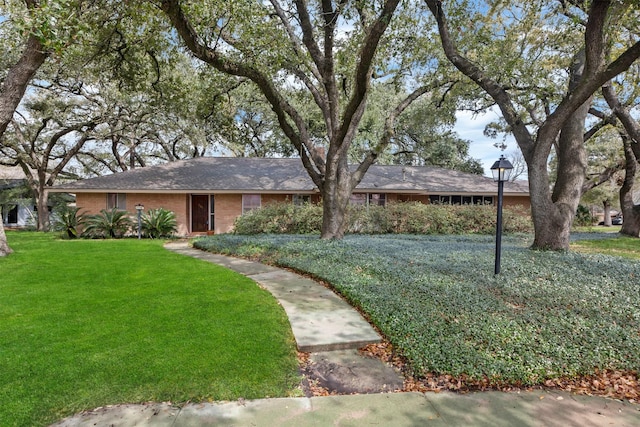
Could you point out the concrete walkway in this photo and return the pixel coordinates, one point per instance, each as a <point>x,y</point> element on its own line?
<point>320,320</point>
<point>323,323</point>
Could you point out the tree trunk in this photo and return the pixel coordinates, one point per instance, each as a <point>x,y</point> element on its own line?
<point>11,93</point>
<point>553,213</point>
<point>606,220</point>
<point>43,209</point>
<point>4,247</point>
<point>335,199</point>
<point>630,211</point>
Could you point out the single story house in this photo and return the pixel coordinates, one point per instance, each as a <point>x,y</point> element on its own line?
<point>17,206</point>
<point>208,193</point>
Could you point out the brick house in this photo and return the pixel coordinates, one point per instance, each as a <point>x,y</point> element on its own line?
<point>208,193</point>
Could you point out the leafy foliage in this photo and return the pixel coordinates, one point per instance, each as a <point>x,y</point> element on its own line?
<point>548,315</point>
<point>68,220</point>
<point>584,217</point>
<point>110,224</point>
<point>279,218</point>
<point>409,218</point>
<point>159,223</point>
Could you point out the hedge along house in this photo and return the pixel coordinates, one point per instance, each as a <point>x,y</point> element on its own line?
<point>207,194</point>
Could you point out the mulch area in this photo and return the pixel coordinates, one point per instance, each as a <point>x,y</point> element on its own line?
<point>605,383</point>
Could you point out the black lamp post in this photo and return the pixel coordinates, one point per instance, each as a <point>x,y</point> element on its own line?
<point>139,209</point>
<point>501,171</point>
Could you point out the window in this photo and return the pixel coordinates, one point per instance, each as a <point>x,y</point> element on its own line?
<point>12,215</point>
<point>117,200</point>
<point>377,199</point>
<point>457,200</point>
<point>358,199</point>
<point>366,199</point>
<point>250,202</point>
<point>212,211</point>
<point>301,199</point>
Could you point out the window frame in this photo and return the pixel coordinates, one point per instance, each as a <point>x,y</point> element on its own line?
<point>248,207</point>
<point>120,200</point>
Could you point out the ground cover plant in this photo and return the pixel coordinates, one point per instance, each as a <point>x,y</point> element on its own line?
<point>548,315</point>
<point>87,323</point>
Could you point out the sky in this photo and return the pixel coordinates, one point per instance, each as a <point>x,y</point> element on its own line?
<point>471,128</point>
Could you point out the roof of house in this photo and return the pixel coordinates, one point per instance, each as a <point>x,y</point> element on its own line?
<point>269,175</point>
<point>11,173</point>
<point>11,176</point>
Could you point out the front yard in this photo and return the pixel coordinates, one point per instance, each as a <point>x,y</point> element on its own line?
<point>90,323</point>
<point>547,317</point>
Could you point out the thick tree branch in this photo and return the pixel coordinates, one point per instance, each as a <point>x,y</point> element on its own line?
<point>283,110</point>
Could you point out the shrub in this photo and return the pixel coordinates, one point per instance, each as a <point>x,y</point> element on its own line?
<point>284,217</point>
<point>67,221</point>
<point>401,218</point>
<point>112,224</point>
<point>159,223</point>
<point>583,217</point>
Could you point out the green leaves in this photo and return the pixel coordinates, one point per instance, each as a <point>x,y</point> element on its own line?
<point>108,224</point>
<point>159,223</point>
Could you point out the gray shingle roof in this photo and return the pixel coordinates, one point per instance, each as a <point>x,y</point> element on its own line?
<point>257,175</point>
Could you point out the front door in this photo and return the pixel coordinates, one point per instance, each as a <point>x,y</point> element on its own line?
<point>199,213</point>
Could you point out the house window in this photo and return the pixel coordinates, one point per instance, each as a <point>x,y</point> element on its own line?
<point>12,215</point>
<point>358,199</point>
<point>301,199</point>
<point>460,200</point>
<point>212,206</point>
<point>250,202</point>
<point>117,201</point>
<point>482,200</point>
<point>366,199</point>
<point>378,199</point>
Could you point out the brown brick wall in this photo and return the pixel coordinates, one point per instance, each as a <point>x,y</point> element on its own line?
<point>227,208</point>
<point>93,203</point>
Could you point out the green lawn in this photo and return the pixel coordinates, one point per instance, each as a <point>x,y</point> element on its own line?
<point>547,315</point>
<point>89,323</point>
<point>627,247</point>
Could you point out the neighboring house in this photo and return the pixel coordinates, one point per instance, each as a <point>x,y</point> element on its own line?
<point>208,193</point>
<point>17,207</point>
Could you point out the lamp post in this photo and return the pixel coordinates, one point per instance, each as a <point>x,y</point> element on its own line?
<point>139,209</point>
<point>501,171</point>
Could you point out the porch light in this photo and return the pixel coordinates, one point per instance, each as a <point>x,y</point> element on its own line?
<point>139,209</point>
<point>501,171</point>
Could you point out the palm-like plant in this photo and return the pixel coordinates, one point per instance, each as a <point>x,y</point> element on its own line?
<point>111,224</point>
<point>159,223</point>
<point>68,220</point>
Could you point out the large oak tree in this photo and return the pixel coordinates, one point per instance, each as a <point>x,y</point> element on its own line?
<point>518,37</point>
<point>328,52</point>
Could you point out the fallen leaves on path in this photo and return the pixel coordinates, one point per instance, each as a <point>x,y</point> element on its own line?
<point>606,383</point>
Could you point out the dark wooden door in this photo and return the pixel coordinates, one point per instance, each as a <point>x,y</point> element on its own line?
<point>199,213</point>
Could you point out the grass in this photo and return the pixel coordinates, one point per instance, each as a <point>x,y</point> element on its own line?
<point>548,314</point>
<point>627,247</point>
<point>89,323</point>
